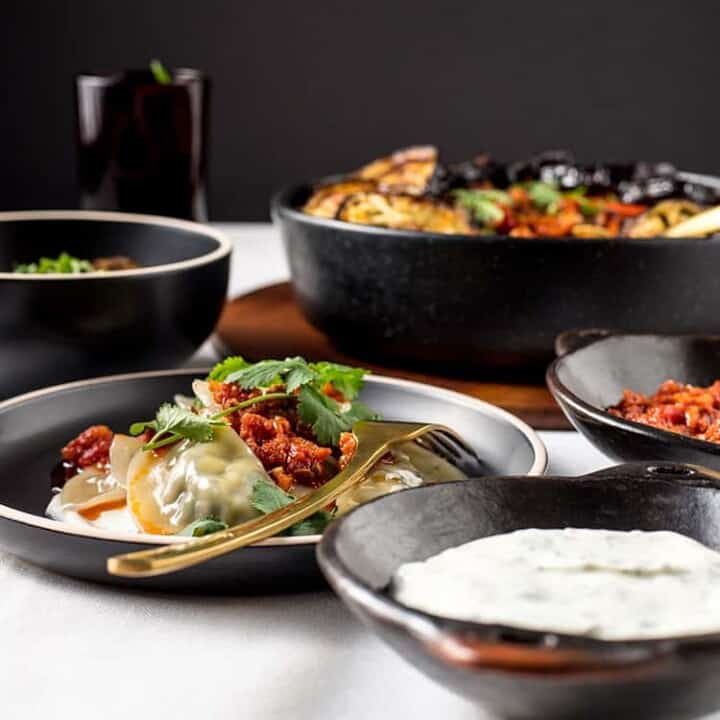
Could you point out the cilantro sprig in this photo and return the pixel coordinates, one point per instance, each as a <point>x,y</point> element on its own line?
<point>325,415</point>
<point>267,497</point>
<point>173,423</point>
<point>303,382</point>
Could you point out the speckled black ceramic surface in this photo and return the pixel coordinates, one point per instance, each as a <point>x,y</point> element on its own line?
<point>467,302</point>
<point>526,674</point>
<point>62,327</point>
<point>35,426</point>
<point>598,365</point>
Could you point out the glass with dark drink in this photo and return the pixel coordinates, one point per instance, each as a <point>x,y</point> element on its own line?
<point>142,141</point>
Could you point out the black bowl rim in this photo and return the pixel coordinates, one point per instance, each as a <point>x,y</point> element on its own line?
<point>429,627</point>
<point>281,207</point>
<point>222,250</point>
<point>537,448</point>
<point>562,393</point>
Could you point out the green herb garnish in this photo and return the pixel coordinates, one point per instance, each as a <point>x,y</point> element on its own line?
<point>303,381</point>
<point>345,379</point>
<point>544,196</point>
<point>64,264</point>
<point>161,75</point>
<point>484,205</point>
<point>268,497</point>
<point>203,527</point>
<point>173,423</point>
<point>229,365</point>
<point>326,416</point>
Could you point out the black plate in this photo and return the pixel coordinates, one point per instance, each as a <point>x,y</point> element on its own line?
<point>599,364</point>
<point>523,673</point>
<point>466,302</point>
<point>61,327</point>
<point>35,426</point>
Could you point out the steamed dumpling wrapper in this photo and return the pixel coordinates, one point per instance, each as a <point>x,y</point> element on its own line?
<point>166,491</point>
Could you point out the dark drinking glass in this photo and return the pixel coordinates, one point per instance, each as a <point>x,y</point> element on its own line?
<point>142,143</point>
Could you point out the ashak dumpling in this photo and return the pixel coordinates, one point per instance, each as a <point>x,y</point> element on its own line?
<point>166,491</point>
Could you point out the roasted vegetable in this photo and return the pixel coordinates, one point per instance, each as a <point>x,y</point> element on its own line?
<point>550,195</point>
<point>407,171</point>
<point>404,212</point>
<point>662,217</point>
<point>327,199</point>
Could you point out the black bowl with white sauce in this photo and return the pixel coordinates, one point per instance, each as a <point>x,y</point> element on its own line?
<point>613,666</point>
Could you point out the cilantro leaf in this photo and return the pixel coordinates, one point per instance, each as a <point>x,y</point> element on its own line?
<point>176,423</point>
<point>298,376</point>
<point>326,417</point>
<point>229,365</point>
<point>345,379</point>
<point>267,497</point>
<point>269,372</point>
<point>322,414</point>
<point>314,525</point>
<point>203,527</point>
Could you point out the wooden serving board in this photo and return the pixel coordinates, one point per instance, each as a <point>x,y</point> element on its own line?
<point>268,323</point>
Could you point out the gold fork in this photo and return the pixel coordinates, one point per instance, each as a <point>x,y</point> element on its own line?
<point>374,439</point>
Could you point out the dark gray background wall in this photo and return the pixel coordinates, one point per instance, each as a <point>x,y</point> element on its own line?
<point>302,89</point>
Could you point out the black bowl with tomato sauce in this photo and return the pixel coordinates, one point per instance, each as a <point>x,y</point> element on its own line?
<point>595,367</point>
<point>469,302</point>
<point>62,327</point>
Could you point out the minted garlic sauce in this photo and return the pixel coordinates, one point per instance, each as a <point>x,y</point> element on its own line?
<point>605,584</point>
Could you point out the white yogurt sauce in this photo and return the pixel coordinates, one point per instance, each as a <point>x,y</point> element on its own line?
<point>600,583</point>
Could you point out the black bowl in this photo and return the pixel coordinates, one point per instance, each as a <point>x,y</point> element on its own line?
<point>35,426</point>
<point>599,364</point>
<point>61,327</point>
<point>518,673</point>
<point>467,302</point>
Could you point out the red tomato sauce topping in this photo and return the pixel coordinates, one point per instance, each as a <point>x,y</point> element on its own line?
<point>685,409</point>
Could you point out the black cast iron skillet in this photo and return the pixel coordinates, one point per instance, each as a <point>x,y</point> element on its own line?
<point>63,327</point>
<point>35,426</point>
<point>594,368</point>
<point>467,302</point>
<point>526,674</point>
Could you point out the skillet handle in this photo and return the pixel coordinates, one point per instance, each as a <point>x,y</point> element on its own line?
<point>670,471</point>
<point>572,340</point>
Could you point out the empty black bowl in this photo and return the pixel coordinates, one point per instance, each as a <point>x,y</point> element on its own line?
<point>463,302</point>
<point>595,367</point>
<point>525,674</point>
<point>62,327</point>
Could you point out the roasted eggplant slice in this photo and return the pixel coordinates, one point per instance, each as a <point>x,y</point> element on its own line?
<point>404,212</point>
<point>409,171</point>
<point>326,200</point>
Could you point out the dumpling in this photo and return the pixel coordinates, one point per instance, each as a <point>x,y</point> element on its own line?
<point>95,490</point>
<point>168,490</point>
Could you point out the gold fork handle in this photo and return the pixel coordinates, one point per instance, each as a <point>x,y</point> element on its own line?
<point>170,558</point>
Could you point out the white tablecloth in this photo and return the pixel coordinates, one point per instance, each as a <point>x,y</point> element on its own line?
<point>74,650</point>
